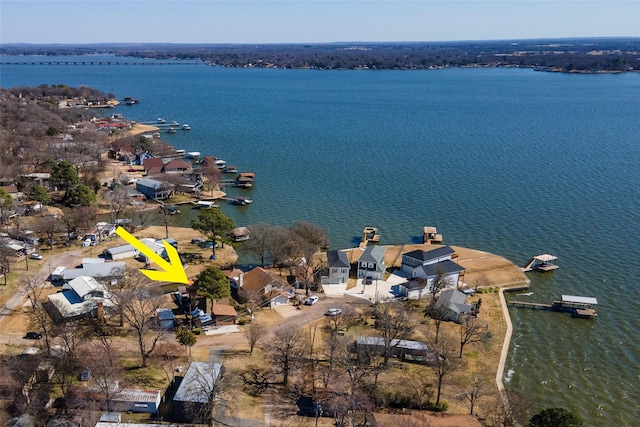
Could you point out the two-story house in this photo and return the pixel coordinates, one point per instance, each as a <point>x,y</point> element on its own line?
<point>338,267</point>
<point>371,263</point>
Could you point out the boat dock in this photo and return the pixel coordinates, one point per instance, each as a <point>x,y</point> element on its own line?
<point>577,306</point>
<point>369,235</point>
<point>542,263</point>
<point>430,235</point>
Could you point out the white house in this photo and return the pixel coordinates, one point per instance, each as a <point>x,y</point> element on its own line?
<point>371,263</point>
<point>97,268</point>
<point>85,295</point>
<point>338,268</point>
<point>422,278</point>
<point>412,260</point>
<point>453,304</point>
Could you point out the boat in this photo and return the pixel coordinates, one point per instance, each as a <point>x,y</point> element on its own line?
<point>172,130</point>
<point>220,163</point>
<point>204,204</point>
<point>130,101</point>
<point>171,209</point>
<point>161,120</point>
<point>193,155</point>
<point>180,152</point>
<point>186,127</point>
<point>229,169</point>
<point>241,201</point>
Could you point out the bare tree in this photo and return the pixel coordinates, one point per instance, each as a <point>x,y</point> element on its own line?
<point>254,332</point>
<point>207,389</point>
<point>342,321</point>
<point>258,243</point>
<point>473,391</point>
<point>285,350</point>
<point>117,199</point>
<point>421,386</point>
<point>437,315</point>
<point>446,362</point>
<point>139,308</point>
<point>102,359</point>
<point>5,260</point>
<point>48,226</point>
<point>472,331</point>
<point>279,245</point>
<point>393,323</point>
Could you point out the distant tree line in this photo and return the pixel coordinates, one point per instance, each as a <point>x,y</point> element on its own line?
<point>565,55</point>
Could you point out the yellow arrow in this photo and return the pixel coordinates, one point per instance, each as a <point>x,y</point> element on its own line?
<point>173,270</point>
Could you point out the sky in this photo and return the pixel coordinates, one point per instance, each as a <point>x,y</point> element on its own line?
<point>304,21</point>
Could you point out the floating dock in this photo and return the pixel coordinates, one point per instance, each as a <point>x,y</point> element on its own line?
<point>543,263</point>
<point>577,306</point>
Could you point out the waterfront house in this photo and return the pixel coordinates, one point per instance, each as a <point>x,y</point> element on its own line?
<point>338,267</point>
<point>417,258</point>
<point>196,388</point>
<point>371,263</point>
<point>176,166</point>
<point>153,189</point>
<point>452,303</point>
<point>447,271</point>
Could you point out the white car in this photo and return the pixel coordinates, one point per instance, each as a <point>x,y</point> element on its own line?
<point>35,256</point>
<point>334,312</point>
<point>311,300</point>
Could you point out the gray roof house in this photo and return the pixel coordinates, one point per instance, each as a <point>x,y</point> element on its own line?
<point>82,298</point>
<point>417,258</point>
<point>453,303</point>
<point>120,252</point>
<point>338,267</point>
<point>371,263</point>
<point>198,384</point>
<point>154,189</point>
<point>422,278</point>
<point>98,269</point>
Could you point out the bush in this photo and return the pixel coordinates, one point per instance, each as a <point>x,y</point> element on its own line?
<point>197,331</point>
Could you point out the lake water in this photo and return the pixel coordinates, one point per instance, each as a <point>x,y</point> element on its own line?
<point>509,161</point>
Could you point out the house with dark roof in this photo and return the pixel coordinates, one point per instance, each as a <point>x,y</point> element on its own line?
<point>422,278</point>
<point>371,263</point>
<point>453,304</point>
<point>338,267</point>
<point>417,258</point>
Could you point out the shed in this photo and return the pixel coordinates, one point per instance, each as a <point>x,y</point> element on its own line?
<point>137,400</point>
<point>165,318</point>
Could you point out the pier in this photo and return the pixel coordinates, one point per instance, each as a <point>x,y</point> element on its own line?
<point>542,263</point>
<point>369,235</point>
<point>577,306</point>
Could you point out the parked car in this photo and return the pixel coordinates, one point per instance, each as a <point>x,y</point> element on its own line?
<point>311,300</point>
<point>208,244</point>
<point>35,256</point>
<point>334,311</point>
<point>33,335</point>
<point>196,240</point>
<point>85,375</point>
